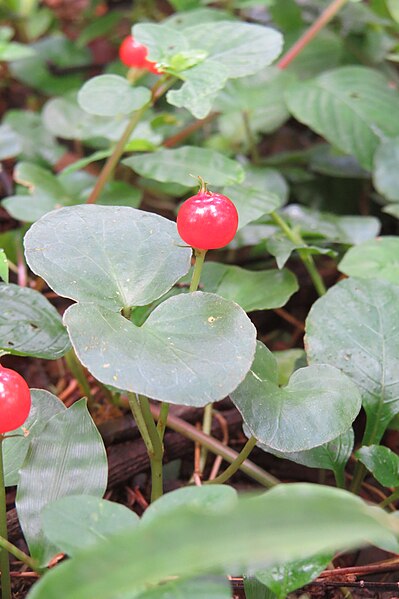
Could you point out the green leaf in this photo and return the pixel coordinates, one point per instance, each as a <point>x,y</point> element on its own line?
<point>99,155</point>
<point>44,406</point>
<point>195,588</point>
<point>111,95</point>
<point>333,455</point>
<point>37,178</point>
<point>67,458</point>
<point>256,290</point>
<point>323,53</point>
<point>256,590</point>
<point>30,325</point>
<point>281,247</point>
<point>393,9</point>
<point>263,191</point>
<point>4,274</point>
<point>341,229</point>
<point>352,107</point>
<point>374,259</point>
<point>36,141</point>
<point>318,404</point>
<point>354,328</point>
<point>292,517</point>
<point>386,172</point>
<point>162,41</point>
<point>287,577</point>
<point>382,462</point>
<point>14,51</point>
<point>207,499</point>
<point>75,522</point>
<point>200,87</point>
<point>10,142</point>
<point>288,360</point>
<point>168,358</point>
<point>176,166</point>
<point>242,48</point>
<point>114,256</point>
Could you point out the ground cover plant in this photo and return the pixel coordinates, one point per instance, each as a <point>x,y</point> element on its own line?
<point>199,264</point>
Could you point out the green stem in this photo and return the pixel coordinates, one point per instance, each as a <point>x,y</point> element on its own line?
<point>20,555</point>
<point>112,161</point>
<point>308,36</point>
<point>78,372</point>
<point>234,466</point>
<point>304,256</point>
<point>339,475</point>
<point>199,263</point>
<point>206,428</point>
<point>253,149</point>
<point>217,448</point>
<point>156,457</point>
<point>157,91</point>
<point>163,416</point>
<point>141,425</point>
<point>390,499</point>
<point>4,561</point>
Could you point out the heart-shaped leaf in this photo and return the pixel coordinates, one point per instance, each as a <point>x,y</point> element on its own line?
<point>318,404</point>
<point>282,524</point>
<point>44,406</point>
<point>78,521</point>
<point>179,166</point>
<point>67,458</point>
<point>374,259</point>
<point>382,462</point>
<point>193,349</point>
<point>113,256</point>
<point>30,325</point>
<point>111,95</point>
<point>354,327</point>
<point>350,106</point>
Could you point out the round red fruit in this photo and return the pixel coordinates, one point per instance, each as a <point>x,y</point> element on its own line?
<point>134,54</point>
<point>15,400</point>
<point>207,221</point>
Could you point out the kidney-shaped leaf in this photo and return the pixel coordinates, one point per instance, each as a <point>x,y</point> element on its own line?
<point>110,95</point>
<point>283,524</point>
<point>77,521</point>
<point>350,106</point>
<point>382,462</point>
<point>30,325</point>
<point>193,349</point>
<point>44,406</point>
<point>355,328</point>
<point>67,458</point>
<point>374,259</point>
<point>185,164</point>
<point>113,256</point>
<point>318,404</point>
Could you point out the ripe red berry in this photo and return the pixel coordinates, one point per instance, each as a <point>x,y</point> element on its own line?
<point>134,54</point>
<point>207,221</point>
<point>15,400</point>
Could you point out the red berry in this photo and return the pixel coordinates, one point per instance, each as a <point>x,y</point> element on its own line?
<point>15,400</point>
<point>134,54</point>
<point>207,221</point>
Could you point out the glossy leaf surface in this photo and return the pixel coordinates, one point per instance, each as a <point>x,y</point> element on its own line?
<point>44,406</point>
<point>67,458</point>
<point>382,462</point>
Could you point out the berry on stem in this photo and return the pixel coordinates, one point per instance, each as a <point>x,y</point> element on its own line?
<point>134,54</point>
<point>15,400</point>
<point>207,220</point>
